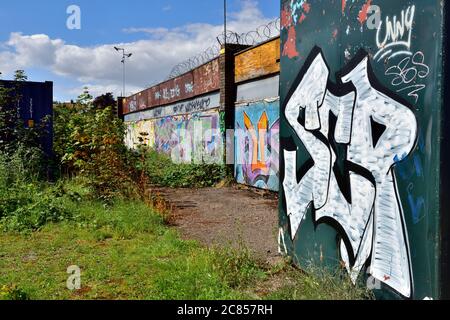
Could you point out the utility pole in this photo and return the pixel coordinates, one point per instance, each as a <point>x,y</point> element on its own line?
<point>225,21</point>
<point>124,57</point>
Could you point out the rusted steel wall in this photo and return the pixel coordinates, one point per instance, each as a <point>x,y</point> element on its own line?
<point>199,81</point>
<point>258,61</point>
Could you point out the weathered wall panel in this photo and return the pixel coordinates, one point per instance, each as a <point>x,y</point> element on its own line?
<point>257,144</point>
<point>188,131</point>
<point>188,138</point>
<point>201,80</point>
<point>258,89</point>
<point>360,137</point>
<point>195,105</point>
<point>207,78</point>
<point>258,61</point>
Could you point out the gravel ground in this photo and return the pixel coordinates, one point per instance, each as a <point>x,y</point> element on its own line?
<point>226,216</point>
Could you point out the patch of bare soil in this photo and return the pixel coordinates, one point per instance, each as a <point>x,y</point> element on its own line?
<point>228,216</point>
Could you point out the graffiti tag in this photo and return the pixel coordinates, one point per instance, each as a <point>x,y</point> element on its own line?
<point>406,73</point>
<point>357,191</point>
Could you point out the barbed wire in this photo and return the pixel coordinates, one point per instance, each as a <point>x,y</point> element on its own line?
<point>251,38</point>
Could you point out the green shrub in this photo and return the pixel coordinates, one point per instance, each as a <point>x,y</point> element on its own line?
<point>12,293</point>
<point>89,143</point>
<point>29,209</point>
<point>26,203</point>
<point>162,171</point>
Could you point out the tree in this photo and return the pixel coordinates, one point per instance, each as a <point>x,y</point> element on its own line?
<point>104,101</point>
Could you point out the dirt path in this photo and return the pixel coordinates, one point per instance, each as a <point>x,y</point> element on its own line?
<point>227,216</point>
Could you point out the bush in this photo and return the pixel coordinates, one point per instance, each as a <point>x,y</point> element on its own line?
<point>162,171</point>
<point>89,142</point>
<point>25,202</point>
<point>13,293</point>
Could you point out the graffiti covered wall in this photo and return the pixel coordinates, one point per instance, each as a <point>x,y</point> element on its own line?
<point>188,131</point>
<point>257,144</point>
<point>190,138</point>
<point>360,90</point>
<point>200,81</point>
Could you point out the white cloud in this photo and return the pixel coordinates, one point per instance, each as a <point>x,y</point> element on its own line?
<point>99,67</point>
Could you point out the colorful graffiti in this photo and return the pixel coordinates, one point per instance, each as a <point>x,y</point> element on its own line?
<point>292,14</point>
<point>190,138</point>
<point>140,133</point>
<point>358,191</point>
<point>257,145</point>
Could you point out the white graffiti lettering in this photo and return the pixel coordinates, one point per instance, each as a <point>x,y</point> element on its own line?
<point>358,192</point>
<point>397,35</point>
<point>406,74</point>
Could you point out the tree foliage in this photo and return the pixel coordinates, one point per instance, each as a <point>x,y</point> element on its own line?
<point>89,142</point>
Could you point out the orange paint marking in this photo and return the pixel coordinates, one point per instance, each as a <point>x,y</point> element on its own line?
<point>362,16</point>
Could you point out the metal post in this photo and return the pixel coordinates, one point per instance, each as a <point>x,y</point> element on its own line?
<point>225,21</point>
<point>124,91</point>
<point>124,58</point>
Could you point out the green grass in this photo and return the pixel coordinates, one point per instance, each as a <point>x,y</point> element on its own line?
<point>126,252</point>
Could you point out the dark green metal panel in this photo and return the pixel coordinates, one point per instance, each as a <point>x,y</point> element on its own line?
<point>395,229</point>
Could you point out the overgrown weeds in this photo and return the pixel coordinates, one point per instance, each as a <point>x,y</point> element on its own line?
<point>163,172</point>
<point>90,143</point>
<point>316,283</point>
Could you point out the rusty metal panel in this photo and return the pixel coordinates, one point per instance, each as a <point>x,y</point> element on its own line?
<point>154,97</point>
<point>131,104</point>
<point>207,78</point>
<point>176,89</point>
<point>258,61</point>
<point>142,100</point>
<point>361,132</point>
<point>202,80</point>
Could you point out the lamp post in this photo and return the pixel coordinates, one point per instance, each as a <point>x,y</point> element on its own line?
<point>124,57</point>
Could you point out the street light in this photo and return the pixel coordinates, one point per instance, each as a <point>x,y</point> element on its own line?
<point>124,57</point>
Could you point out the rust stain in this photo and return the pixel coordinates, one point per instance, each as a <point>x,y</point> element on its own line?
<point>201,80</point>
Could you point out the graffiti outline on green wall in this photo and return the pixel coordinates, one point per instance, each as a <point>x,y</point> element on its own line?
<point>356,193</point>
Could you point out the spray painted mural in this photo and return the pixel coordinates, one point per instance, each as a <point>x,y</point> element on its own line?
<point>190,138</point>
<point>257,144</point>
<point>357,190</point>
<point>360,160</point>
<point>140,133</point>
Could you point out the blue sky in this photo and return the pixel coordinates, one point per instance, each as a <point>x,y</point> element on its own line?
<point>160,33</point>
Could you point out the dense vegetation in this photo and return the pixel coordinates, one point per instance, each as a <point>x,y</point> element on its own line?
<point>92,214</point>
<point>160,170</point>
